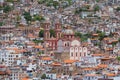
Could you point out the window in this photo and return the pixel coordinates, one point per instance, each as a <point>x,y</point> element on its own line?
<point>76,48</point>
<point>76,53</point>
<point>65,44</point>
<point>51,75</point>
<point>16,55</point>
<point>80,54</point>
<point>71,53</point>
<point>84,54</point>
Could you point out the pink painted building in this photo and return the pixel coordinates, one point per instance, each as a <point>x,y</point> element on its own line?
<point>52,41</point>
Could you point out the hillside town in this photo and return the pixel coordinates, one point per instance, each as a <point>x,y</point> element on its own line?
<point>59,39</point>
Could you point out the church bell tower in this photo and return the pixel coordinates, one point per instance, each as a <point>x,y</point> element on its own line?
<point>46,30</point>
<point>58,30</point>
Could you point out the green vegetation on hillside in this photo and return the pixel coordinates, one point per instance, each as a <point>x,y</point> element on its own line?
<point>55,4</point>
<point>1,23</point>
<point>96,8</point>
<point>38,18</point>
<point>83,37</point>
<point>27,16</point>
<point>118,9</point>
<point>7,8</point>
<point>41,33</point>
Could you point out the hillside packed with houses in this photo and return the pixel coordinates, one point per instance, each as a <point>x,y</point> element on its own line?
<point>59,39</point>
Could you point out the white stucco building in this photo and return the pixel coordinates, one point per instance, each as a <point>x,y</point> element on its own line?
<point>77,51</point>
<point>8,57</point>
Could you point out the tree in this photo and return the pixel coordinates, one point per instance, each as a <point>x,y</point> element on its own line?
<point>118,9</point>
<point>79,10</point>
<point>55,4</point>
<point>78,34</point>
<point>7,8</point>
<point>114,43</point>
<point>27,16</point>
<point>1,23</point>
<point>118,58</point>
<point>83,37</point>
<point>38,41</point>
<point>70,2</point>
<point>99,31</point>
<point>43,76</point>
<point>39,53</point>
<point>88,35</point>
<point>119,40</point>
<point>10,1</point>
<point>52,33</point>
<point>41,1</point>
<point>41,33</point>
<point>97,0</point>
<point>18,18</point>
<point>1,8</point>
<point>96,8</point>
<point>101,36</point>
<point>38,18</point>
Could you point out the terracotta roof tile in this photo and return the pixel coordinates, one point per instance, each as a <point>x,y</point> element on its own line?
<point>98,54</point>
<point>91,75</point>
<point>87,69</point>
<point>95,34</point>
<point>56,64</point>
<point>111,74</point>
<point>102,66</point>
<point>25,79</point>
<point>46,58</point>
<point>69,61</point>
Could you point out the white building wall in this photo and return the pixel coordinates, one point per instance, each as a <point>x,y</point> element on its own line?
<point>72,53</point>
<point>51,75</point>
<point>77,52</point>
<point>8,56</point>
<point>90,78</point>
<point>85,51</point>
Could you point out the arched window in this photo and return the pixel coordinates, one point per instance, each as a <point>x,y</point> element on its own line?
<point>84,48</point>
<point>80,49</point>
